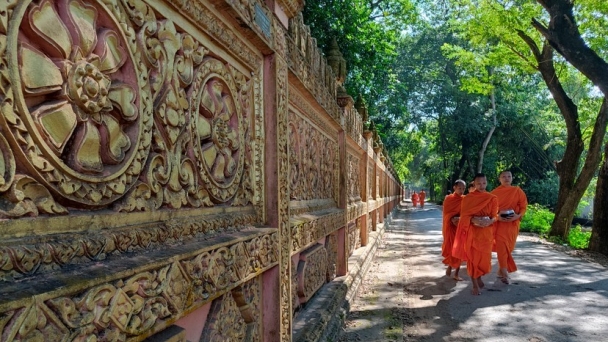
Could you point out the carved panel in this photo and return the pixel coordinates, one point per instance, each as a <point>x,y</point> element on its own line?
<point>311,68</point>
<point>354,183</point>
<point>38,255</point>
<point>313,161</point>
<point>353,237</point>
<point>236,316</point>
<point>331,246</point>
<point>108,104</point>
<point>370,179</point>
<point>143,303</point>
<point>307,229</point>
<point>312,271</point>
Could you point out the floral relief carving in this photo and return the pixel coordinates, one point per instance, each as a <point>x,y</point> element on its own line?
<point>305,230</point>
<point>77,108</point>
<point>331,246</point>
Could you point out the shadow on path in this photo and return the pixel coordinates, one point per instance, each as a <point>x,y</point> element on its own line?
<point>407,297</point>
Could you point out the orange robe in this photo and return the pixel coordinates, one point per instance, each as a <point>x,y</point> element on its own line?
<point>474,244</point>
<point>451,208</point>
<point>422,196</point>
<point>505,233</point>
<point>415,199</point>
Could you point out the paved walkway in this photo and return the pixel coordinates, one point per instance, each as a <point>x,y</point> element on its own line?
<point>407,297</point>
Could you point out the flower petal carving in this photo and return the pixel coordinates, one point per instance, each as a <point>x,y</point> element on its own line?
<point>112,54</point>
<point>123,97</point>
<point>88,142</point>
<point>58,122</point>
<point>39,74</point>
<point>83,19</point>
<point>114,139</point>
<point>45,21</point>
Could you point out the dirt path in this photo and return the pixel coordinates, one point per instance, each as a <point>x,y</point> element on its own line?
<point>553,297</point>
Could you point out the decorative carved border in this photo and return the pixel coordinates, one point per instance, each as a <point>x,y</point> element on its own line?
<point>43,254</point>
<point>309,228</point>
<point>202,17</point>
<point>312,271</point>
<point>356,210</point>
<point>139,301</point>
<point>282,114</point>
<point>297,100</point>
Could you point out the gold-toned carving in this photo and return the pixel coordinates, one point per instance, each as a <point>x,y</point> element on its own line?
<point>224,323</point>
<point>202,17</point>
<point>248,299</point>
<point>26,196</point>
<point>35,322</point>
<point>18,259</point>
<point>306,229</point>
<point>331,246</point>
<point>78,110</point>
<point>314,162</point>
<point>142,304</point>
<point>354,187</point>
<point>312,271</point>
<point>353,237</point>
<point>219,127</point>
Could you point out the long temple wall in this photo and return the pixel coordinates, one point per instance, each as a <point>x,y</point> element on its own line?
<point>175,170</point>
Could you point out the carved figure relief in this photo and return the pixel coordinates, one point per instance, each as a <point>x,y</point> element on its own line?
<point>313,159</point>
<point>354,185</point>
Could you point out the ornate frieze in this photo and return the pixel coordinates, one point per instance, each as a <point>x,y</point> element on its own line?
<point>308,228</point>
<point>313,161</point>
<point>311,68</point>
<point>356,210</point>
<point>354,184</point>
<point>312,271</point>
<point>280,73</point>
<point>206,20</point>
<point>39,254</point>
<point>142,299</point>
<point>107,104</point>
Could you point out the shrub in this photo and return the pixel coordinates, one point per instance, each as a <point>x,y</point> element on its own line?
<point>537,219</point>
<point>577,238</point>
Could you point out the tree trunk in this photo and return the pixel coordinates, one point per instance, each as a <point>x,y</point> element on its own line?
<point>599,233</point>
<point>486,141</point>
<point>563,34</point>
<point>572,183</point>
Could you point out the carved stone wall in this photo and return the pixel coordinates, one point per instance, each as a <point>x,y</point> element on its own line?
<point>157,157</point>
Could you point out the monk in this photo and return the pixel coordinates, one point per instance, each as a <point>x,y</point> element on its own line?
<point>451,216</point>
<point>415,199</point>
<point>422,196</point>
<point>512,204</point>
<point>478,213</point>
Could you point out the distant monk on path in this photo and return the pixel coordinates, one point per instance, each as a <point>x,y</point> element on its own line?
<point>422,197</point>
<point>451,216</point>
<point>415,199</point>
<point>477,216</point>
<point>512,204</point>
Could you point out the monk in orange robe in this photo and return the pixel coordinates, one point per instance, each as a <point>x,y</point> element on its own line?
<point>478,213</point>
<point>451,216</point>
<point>422,196</point>
<point>415,199</point>
<point>512,204</point>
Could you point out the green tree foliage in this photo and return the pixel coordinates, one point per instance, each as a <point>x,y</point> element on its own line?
<point>368,34</point>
